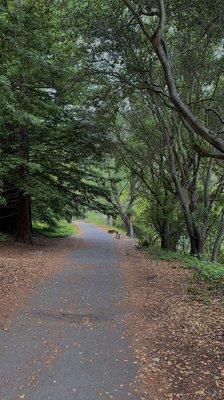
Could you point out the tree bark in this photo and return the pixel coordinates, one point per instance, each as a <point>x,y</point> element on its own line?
<point>217,245</point>
<point>128,225</point>
<point>168,241</point>
<point>24,218</point>
<point>218,241</point>
<point>196,242</point>
<point>168,238</point>
<point>196,236</point>
<point>165,241</point>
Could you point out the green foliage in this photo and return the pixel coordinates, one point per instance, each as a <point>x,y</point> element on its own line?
<point>206,271</point>
<point>3,237</point>
<point>42,93</point>
<point>101,220</point>
<point>184,197</point>
<point>96,218</point>
<point>100,129</point>
<point>59,229</point>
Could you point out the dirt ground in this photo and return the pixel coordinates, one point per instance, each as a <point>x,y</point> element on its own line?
<point>23,266</point>
<point>177,341</point>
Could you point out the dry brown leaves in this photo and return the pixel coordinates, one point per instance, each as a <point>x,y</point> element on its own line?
<point>178,342</point>
<point>23,266</point>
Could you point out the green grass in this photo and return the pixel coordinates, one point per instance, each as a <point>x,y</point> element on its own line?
<point>96,218</point>
<point>62,229</point>
<point>206,271</point>
<point>101,220</point>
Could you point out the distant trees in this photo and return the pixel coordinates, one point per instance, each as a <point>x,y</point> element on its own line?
<point>123,187</point>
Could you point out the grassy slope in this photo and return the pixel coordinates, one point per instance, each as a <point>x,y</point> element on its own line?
<point>63,229</point>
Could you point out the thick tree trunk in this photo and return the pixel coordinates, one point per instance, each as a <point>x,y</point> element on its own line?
<point>165,235</point>
<point>168,240</point>
<point>196,243</point>
<point>165,241</point>
<point>24,219</point>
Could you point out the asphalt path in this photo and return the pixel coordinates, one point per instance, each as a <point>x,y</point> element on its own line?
<point>70,341</point>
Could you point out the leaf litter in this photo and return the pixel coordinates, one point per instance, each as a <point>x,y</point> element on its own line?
<point>177,341</point>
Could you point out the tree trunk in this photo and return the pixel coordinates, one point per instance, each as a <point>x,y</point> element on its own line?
<point>168,240</point>
<point>128,225</point>
<point>165,235</point>
<point>217,245</point>
<point>24,216</point>
<point>196,243</point>
<point>196,237</point>
<point>165,241</point>
<point>23,219</point>
<point>109,219</point>
<point>158,42</point>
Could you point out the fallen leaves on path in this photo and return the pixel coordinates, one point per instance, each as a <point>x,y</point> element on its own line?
<point>178,342</point>
<point>22,266</point>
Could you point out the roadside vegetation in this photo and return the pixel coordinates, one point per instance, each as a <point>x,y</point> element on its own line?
<point>60,229</point>
<point>114,108</point>
<point>103,221</point>
<point>205,271</point>
<point>112,112</point>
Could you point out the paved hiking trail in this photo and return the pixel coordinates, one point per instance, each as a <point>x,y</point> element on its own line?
<point>69,341</point>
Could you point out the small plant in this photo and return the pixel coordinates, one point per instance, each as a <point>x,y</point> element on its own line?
<point>3,237</point>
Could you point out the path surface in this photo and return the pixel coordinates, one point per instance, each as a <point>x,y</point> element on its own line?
<point>70,341</point>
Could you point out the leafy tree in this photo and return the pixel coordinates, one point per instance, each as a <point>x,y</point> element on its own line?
<point>47,142</point>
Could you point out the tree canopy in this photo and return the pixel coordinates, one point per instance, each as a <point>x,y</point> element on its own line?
<point>114,106</point>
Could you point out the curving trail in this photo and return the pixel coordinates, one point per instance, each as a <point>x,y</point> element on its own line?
<point>70,341</point>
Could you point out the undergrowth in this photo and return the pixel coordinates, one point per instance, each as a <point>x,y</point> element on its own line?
<point>206,272</point>
<point>62,229</point>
